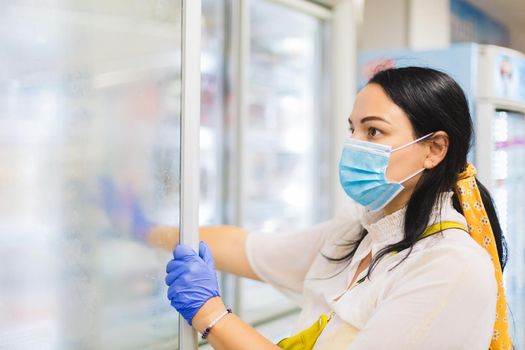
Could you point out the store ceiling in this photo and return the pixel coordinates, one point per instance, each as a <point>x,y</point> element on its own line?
<point>509,12</point>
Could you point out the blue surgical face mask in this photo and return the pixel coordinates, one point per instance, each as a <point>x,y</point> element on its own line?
<point>362,173</point>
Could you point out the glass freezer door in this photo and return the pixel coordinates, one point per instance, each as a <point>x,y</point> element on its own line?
<point>213,41</point>
<point>508,171</point>
<point>89,152</point>
<point>285,134</point>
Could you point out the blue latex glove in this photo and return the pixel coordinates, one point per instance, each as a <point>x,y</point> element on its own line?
<point>192,279</point>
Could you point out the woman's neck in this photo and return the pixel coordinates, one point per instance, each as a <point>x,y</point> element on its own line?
<point>399,202</point>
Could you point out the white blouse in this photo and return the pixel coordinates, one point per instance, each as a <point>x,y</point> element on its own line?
<point>443,296</point>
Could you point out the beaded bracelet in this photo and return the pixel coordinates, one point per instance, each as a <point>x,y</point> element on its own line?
<point>214,322</point>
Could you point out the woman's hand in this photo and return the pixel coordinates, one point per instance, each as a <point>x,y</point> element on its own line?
<point>192,279</point>
<point>194,292</point>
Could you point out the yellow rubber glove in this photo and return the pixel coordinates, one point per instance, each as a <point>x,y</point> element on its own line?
<point>307,338</point>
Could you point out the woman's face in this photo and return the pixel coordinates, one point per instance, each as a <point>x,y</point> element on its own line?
<point>375,118</point>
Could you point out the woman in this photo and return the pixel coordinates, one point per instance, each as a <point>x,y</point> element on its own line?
<point>413,272</point>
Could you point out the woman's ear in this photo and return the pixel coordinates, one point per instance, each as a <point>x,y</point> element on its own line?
<point>438,147</point>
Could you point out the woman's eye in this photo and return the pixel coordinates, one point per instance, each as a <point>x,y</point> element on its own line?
<point>372,132</point>
<point>351,129</point>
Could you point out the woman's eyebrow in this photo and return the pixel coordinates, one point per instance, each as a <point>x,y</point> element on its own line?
<point>371,118</point>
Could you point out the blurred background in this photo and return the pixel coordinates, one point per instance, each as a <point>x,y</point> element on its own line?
<point>90,144</point>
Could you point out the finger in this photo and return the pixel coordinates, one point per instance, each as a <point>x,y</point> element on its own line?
<point>172,292</point>
<point>175,274</point>
<point>171,278</point>
<point>180,292</point>
<point>205,254</point>
<point>173,264</point>
<point>183,251</point>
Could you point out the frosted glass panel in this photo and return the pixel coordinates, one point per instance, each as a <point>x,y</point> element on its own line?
<point>509,190</point>
<point>212,112</point>
<point>284,128</point>
<point>285,134</point>
<point>89,154</point>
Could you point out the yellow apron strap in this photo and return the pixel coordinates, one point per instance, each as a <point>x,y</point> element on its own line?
<point>438,227</point>
<point>442,226</point>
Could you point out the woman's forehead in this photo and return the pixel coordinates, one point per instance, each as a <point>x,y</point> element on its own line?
<point>373,101</point>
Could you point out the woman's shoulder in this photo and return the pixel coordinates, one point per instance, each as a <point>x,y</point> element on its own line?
<point>450,254</point>
<point>458,245</point>
<point>453,247</point>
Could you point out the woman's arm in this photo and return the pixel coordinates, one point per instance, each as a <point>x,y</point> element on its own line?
<point>227,244</point>
<point>230,333</point>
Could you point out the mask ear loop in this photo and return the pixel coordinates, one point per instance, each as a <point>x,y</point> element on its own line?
<point>411,176</point>
<point>412,142</point>
<point>405,146</point>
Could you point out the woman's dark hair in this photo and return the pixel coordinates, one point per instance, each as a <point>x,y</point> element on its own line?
<point>433,101</point>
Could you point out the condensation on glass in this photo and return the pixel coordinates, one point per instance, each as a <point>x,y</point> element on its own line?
<point>89,154</point>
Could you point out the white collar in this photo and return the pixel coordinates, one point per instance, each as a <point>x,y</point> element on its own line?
<point>386,230</point>
<point>383,229</point>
